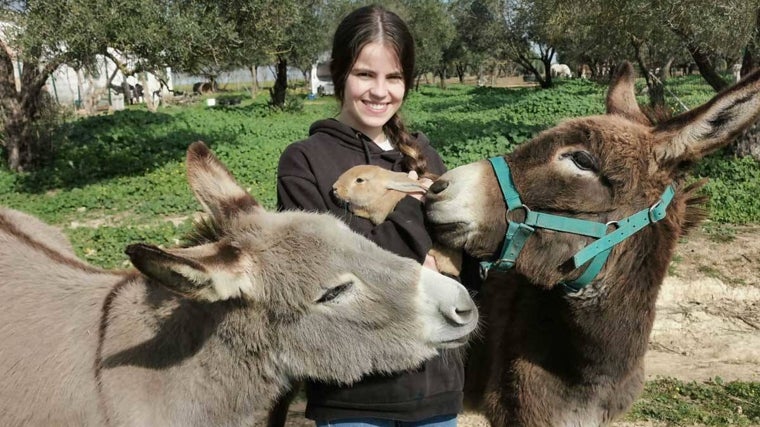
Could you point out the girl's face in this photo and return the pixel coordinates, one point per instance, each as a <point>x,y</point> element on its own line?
<point>374,90</point>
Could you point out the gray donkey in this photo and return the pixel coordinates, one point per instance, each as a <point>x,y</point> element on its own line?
<point>207,334</point>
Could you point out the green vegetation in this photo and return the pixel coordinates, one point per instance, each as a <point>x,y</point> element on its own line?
<point>720,233</point>
<point>120,178</point>
<point>126,170</point>
<point>712,403</point>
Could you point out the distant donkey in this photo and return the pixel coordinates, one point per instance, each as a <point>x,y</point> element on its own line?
<point>577,253</point>
<point>205,335</point>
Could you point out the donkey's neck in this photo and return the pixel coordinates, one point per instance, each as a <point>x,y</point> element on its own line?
<point>619,309</point>
<point>196,362</point>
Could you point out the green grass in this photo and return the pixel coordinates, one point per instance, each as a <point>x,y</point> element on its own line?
<point>712,403</point>
<point>719,233</point>
<point>673,266</point>
<point>128,167</point>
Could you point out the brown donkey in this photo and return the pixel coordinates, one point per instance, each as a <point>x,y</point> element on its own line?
<point>564,346</point>
<point>205,335</point>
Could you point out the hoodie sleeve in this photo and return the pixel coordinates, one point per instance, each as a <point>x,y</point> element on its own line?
<point>296,184</point>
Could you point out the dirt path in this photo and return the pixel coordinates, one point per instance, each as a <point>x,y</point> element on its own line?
<point>708,312</point>
<point>708,316</point>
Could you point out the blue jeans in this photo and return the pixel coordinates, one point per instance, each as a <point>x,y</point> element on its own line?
<point>439,421</point>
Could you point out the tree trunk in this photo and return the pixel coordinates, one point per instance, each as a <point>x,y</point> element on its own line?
<point>655,88</point>
<point>21,110</point>
<point>665,70</point>
<point>147,93</point>
<point>278,92</point>
<point>752,50</point>
<point>547,81</point>
<point>17,139</point>
<point>748,143</point>
<point>254,69</point>
<point>20,142</point>
<point>80,102</point>
<point>460,69</point>
<point>706,67</point>
<point>702,59</point>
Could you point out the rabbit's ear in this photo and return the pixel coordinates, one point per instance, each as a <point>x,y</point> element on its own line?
<point>406,187</point>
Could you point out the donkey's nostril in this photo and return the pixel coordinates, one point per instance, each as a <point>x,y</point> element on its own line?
<point>439,186</point>
<point>465,316</point>
<point>462,315</point>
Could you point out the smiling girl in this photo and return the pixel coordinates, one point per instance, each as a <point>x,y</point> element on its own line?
<point>372,68</point>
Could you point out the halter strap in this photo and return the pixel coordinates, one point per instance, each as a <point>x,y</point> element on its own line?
<point>597,252</point>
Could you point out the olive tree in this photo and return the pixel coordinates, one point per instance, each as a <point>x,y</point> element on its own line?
<point>433,30</point>
<point>710,30</point>
<point>39,36</point>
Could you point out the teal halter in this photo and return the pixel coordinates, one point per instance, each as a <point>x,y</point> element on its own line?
<point>596,252</point>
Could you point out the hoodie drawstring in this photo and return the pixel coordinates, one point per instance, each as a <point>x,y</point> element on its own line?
<point>367,155</point>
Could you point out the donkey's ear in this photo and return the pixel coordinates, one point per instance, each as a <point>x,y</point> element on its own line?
<point>210,272</point>
<point>693,135</point>
<point>214,187</point>
<point>621,96</point>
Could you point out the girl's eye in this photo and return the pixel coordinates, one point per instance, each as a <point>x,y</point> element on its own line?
<point>333,293</point>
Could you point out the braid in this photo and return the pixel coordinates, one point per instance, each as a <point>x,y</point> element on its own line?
<point>414,159</point>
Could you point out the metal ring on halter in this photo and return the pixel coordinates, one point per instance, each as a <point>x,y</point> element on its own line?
<point>615,224</point>
<point>523,207</point>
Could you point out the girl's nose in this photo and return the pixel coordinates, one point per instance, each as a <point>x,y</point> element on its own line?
<point>379,89</point>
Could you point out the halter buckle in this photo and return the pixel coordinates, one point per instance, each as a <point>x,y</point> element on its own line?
<point>652,213</point>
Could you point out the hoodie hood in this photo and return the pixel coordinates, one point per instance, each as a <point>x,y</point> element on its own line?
<point>356,140</point>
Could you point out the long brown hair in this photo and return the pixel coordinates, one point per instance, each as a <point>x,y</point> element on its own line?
<point>375,24</point>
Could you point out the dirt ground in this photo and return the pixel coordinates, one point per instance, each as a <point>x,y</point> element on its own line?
<point>708,312</point>
<point>708,316</point>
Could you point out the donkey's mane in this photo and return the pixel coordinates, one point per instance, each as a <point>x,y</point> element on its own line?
<point>205,230</point>
<point>696,204</point>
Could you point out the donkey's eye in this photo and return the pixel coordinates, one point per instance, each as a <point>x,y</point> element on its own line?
<point>333,293</point>
<point>359,180</point>
<point>584,161</point>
